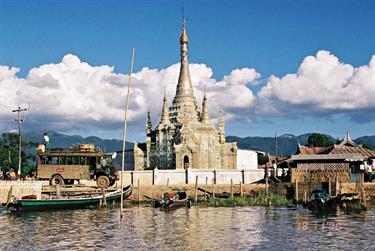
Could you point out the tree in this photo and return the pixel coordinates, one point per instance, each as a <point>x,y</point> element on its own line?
<point>9,154</point>
<point>317,139</point>
<point>262,159</point>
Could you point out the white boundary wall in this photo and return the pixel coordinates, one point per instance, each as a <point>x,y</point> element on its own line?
<point>181,176</point>
<point>20,188</point>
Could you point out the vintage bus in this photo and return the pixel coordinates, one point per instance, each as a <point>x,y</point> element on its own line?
<point>64,166</point>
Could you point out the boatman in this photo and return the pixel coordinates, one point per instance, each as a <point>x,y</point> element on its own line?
<point>45,140</point>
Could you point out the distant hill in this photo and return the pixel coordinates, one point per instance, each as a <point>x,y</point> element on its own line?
<point>58,140</point>
<point>286,144</point>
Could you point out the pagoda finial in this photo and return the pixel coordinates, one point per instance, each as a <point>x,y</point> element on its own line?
<point>205,117</point>
<point>148,122</point>
<point>221,126</point>
<point>164,114</point>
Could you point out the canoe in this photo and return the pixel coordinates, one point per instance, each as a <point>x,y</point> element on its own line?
<point>173,201</point>
<point>69,203</point>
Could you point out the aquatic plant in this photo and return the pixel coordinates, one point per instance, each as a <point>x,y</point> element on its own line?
<point>258,199</point>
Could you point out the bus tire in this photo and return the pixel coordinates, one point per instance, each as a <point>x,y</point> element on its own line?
<point>56,179</point>
<point>103,181</point>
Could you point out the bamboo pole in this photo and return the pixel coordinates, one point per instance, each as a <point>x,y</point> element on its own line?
<point>231,188</point>
<point>124,134</point>
<point>241,189</point>
<point>205,190</point>
<point>167,184</point>
<point>196,189</point>
<point>305,196</point>
<point>266,185</point>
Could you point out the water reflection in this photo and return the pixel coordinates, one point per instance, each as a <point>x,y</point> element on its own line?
<point>188,229</point>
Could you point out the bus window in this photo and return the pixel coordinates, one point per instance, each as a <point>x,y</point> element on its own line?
<point>92,162</point>
<point>62,160</point>
<point>69,160</point>
<point>55,160</point>
<point>75,160</point>
<point>49,160</point>
<point>44,160</point>
<point>82,160</point>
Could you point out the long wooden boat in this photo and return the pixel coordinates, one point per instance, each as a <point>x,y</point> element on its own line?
<point>68,203</point>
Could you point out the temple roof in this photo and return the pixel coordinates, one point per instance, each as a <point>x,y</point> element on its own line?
<point>346,146</point>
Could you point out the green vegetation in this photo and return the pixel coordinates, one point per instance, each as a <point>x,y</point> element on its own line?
<point>9,154</point>
<point>262,159</point>
<point>259,199</point>
<point>364,145</point>
<point>319,140</point>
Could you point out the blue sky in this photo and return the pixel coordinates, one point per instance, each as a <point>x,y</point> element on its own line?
<point>273,37</point>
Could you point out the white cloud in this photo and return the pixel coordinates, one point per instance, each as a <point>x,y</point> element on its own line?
<point>73,94</point>
<point>322,84</point>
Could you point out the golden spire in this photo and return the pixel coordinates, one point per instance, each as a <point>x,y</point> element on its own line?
<point>184,86</point>
<point>205,117</point>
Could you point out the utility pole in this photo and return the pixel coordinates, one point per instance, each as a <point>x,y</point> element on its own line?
<point>19,121</point>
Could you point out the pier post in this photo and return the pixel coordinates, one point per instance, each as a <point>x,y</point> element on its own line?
<point>205,190</point>
<point>213,188</point>
<point>241,189</point>
<point>58,194</point>
<point>296,191</point>
<point>231,188</point>
<point>139,192</point>
<point>329,187</point>
<point>363,198</point>
<point>196,189</point>
<point>104,199</point>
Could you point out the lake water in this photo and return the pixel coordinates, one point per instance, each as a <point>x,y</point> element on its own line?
<point>197,228</point>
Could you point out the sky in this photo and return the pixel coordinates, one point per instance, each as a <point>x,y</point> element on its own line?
<point>285,66</point>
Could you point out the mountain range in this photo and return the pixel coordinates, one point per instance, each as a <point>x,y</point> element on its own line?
<point>286,144</point>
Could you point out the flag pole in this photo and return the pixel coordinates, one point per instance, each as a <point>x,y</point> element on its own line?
<point>124,134</point>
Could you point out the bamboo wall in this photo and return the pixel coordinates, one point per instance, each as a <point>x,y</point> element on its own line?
<point>321,172</point>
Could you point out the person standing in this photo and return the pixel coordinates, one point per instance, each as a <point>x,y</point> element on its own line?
<point>370,168</point>
<point>45,140</point>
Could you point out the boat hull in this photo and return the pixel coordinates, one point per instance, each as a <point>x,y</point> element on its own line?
<point>79,203</point>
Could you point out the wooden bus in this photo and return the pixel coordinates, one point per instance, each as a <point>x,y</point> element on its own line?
<point>64,166</point>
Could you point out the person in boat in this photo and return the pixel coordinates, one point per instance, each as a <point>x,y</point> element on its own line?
<point>12,175</point>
